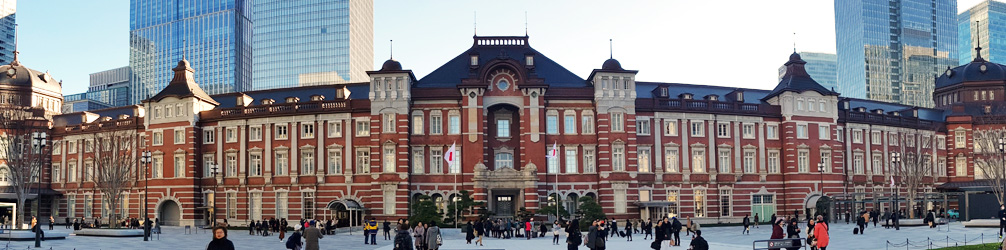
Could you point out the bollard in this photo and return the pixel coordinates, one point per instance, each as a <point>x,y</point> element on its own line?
<point>906,244</point>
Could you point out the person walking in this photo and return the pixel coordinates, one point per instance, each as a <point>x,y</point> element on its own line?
<point>647,229</point>
<point>51,221</point>
<point>591,236</point>
<point>821,233</point>
<point>311,236</point>
<point>252,227</point>
<point>282,234</point>
<point>793,232</point>
<point>688,226</point>
<point>433,239</point>
<point>628,230</point>
<point>480,231</point>
<point>756,219</point>
<point>747,225</point>
<point>675,231</point>
<point>419,232</point>
<point>67,221</point>
<point>387,229</point>
<point>469,234</point>
<point>602,236</point>
<point>573,235</point>
<point>699,243</point>
<point>294,242</point>
<point>220,241</point>
<point>614,228</point>
<point>861,223</point>
<point>1002,220</point>
<point>658,239</point>
<point>556,230</point>
<point>403,241</point>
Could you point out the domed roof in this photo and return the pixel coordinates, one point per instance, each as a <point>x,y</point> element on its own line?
<point>16,74</point>
<point>391,64</point>
<point>978,70</point>
<point>611,64</point>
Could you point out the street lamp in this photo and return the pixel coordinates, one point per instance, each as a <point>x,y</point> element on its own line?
<point>1002,152</point>
<point>39,138</point>
<point>895,160</point>
<point>215,167</point>
<point>820,169</point>
<point>146,222</point>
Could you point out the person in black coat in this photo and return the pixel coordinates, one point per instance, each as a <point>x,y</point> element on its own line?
<point>747,225</point>
<point>660,237</point>
<point>699,243</point>
<point>220,241</point>
<point>470,234</point>
<point>574,238</point>
<point>675,230</point>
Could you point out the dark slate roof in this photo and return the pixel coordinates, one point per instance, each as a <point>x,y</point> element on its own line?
<point>451,73</point>
<point>753,96</point>
<point>183,85</point>
<point>23,76</point>
<point>356,91</point>
<point>76,118</point>
<point>905,110</point>
<point>972,72</point>
<point>796,79</point>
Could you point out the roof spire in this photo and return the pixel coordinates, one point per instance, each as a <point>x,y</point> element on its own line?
<point>475,22</point>
<point>184,43</point>
<point>392,49</point>
<point>978,46</point>
<point>525,23</point>
<point>794,42</point>
<point>611,48</point>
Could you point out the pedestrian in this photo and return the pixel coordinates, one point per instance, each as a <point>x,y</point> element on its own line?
<point>480,231</point>
<point>294,242</point>
<point>251,227</point>
<point>573,235</point>
<point>614,228</point>
<point>793,232</point>
<point>602,236</point>
<point>403,241</point>
<point>873,215</point>
<point>675,231</point>
<point>373,230</point>
<point>282,234</point>
<point>628,230</point>
<point>433,239</point>
<point>419,232</point>
<point>67,221</point>
<point>688,226</point>
<point>311,236</point>
<point>699,243</point>
<point>1002,220</point>
<point>747,225</point>
<point>556,230</point>
<point>756,221</point>
<point>647,229</point>
<point>821,233</point>
<point>861,223</point>
<point>592,236</point>
<point>528,225</point>
<point>541,230</point>
<point>387,229</point>
<point>772,219</point>
<point>220,241</point>
<point>659,238</point>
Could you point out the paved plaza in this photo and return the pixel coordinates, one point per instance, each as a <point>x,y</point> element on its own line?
<point>720,238</point>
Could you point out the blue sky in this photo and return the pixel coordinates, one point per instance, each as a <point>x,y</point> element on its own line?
<point>729,43</point>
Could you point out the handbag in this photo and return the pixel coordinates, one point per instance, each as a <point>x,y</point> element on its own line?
<point>656,245</point>
<point>440,241</point>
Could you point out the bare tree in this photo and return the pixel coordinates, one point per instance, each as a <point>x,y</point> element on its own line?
<point>22,153</point>
<point>989,161</point>
<point>115,156</point>
<point>916,163</point>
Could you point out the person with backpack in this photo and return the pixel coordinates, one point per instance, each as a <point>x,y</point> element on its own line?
<point>403,240</point>
<point>433,240</point>
<point>372,225</point>
<point>294,242</point>
<point>573,235</point>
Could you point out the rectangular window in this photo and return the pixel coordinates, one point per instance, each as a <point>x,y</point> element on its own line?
<point>389,201</point>
<point>232,206</point>
<point>749,131</point>
<point>723,130</point>
<point>589,159</point>
<point>698,128</point>
<point>773,163</point>
<point>255,206</point>
<point>960,141</point>
<point>307,162</point>
<point>232,165</point>
<point>772,132</point>
<point>156,168</point>
<point>282,161</point>
<point>179,166</point>
<point>726,202</point>
<point>552,124</point>
<point>671,128</point>
<point>436,124</point>
<point>671,160</point>
<point>823,132</point>
<point>232,134</point>
<point>643,159</point>
<point>88,206</point>
<point>335,128</point>
<point>749,161</point>
<point>335,161</point>
<point>857,136</point>
<point>71,169</point>
<point>454,124</point>
<point>282,202</point>
<point>158,139</point>
<point>553,165</point>
<point>455,167</point>
<point>569,124</point>
<point>256,164</point>
<point>208,165</point>
<point>617,122</point>
<point>961,166</point>
<point>839,134</point>
<point>698,160</point>
<point>801,131</point>
<point>875,137</point>
<point>826,160</point>
<point>71,147</point>
<point>56,168</point>
<point>892,139</point>
<point>699,198</point>
<point>803,161</point>
<point>941,142</point>
<point>620,200</point>
<point>308,204</point>
<point>643,127</point>
<point>418,161</point>
<point>436,161</point>
<point>307,131</point>
<point>281,132</point>
<point>587,124</point>
<point>503,128</point>
<point>672,211</point>
<point>389,159</point>
<point>362,128</point>
<point>362,160</point>
<point>571,161</point>
<point>618,158</point>
<point>724,160</point>
<point>254,133</point>
<point>389,122</point>
<point>209,136</point>
<point>857,163</point>
<point>942,167</point>
<point>877,167</point>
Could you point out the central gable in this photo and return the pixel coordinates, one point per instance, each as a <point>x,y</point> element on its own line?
<point>489,51</point>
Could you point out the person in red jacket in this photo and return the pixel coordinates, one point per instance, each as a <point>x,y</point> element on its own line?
<point>528,225</point>
<point>821,233</point>
<point>777,231</point>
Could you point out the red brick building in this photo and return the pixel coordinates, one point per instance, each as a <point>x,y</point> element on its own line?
<point>643,149</point>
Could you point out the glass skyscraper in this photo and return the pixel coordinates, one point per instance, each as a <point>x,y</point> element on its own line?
<point>992,27</point>
<point>823,67</point>
<point>8,9</point>
<point>214,36</point>
<point>312,42</point>
<point>892,50</point>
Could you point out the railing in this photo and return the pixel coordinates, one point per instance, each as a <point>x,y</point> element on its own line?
<point>501,40</point>
<point>708,106</point>
<point>885,119</point>
<point>779,244</point>
<point>283,108</point>
<point>120,123</point>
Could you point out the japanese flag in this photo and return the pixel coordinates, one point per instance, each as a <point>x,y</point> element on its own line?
<point>450,154</point>
<point>553,152</point>
<point>892,181</point>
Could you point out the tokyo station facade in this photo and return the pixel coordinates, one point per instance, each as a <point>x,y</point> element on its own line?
<point>643,149</point>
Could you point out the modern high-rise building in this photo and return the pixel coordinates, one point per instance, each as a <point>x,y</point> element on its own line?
<point>214,36</point>
<point>312,42</point>
<point>892,50</point>
<point>8,8</point>
<point>109,88</point>
<point>991,17</point>
<point>821,66</point>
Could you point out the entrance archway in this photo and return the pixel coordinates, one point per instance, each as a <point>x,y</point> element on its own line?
<point>169,214</point>
<point>818,205</point>
<point>346,212</point>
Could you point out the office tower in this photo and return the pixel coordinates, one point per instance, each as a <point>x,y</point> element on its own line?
<point>892,50</point>
<point>312,42</point>
<point>991,17</point>
<point>109,88</point>
<point>8,8</point>
<point>821,67</point>
<point>214,36</point>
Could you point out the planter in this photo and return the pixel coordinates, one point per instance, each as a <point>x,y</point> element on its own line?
<point>106,232</point>
<point>28,235</point>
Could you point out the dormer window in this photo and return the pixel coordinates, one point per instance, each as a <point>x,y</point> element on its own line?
<point>315,98</point>
<point>529,60</point>
<point>292,99</point>
<point>686,96</point>
<point>267,101</point>
<point>340,93</point>
<point>663,91</point>
<point>712,97</point>
<point>474,60</point>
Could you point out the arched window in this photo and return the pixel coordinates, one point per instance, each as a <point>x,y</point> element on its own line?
<point>440,202</point>
<point>504,160</point>
<point>4,175</point>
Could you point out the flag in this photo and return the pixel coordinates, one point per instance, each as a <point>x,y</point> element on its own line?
<point>554,152</point>
<point>450,154</point>
<point>892,181</point>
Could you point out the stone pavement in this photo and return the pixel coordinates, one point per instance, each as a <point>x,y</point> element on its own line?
<point>720,238</point>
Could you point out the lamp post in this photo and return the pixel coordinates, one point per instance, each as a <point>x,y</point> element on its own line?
<point>146,160</point>
<point>39,138</point>
<point>215,167</point>
<point>895,160</point>
<point>1002,152</point>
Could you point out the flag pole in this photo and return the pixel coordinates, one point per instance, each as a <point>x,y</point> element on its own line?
<point>455,199</point>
